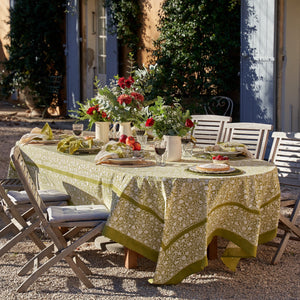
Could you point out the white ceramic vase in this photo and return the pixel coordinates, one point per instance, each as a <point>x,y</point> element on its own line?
<point>125,128</point>
<point>173,148</point>
<point>102,131</point>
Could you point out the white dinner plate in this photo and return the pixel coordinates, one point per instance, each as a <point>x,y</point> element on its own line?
<point>194,169</point>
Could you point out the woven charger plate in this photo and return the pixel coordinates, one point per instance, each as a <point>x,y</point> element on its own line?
<point>230,172</point>
<point>137,164</point>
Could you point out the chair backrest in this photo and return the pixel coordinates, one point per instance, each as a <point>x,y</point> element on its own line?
<point>12,208</point>
<point>253,135</point>
<point>29,185</point>
<point>208,129</point>
<point>285,154</point>
<point>219,105</point>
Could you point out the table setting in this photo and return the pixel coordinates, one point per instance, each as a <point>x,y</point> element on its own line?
<point>166,202</point>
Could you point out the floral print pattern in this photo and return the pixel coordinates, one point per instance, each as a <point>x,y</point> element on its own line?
<point>168,214</point>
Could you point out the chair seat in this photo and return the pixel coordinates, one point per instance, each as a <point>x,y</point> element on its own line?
<point>57,214</point>
<point>47,195</point>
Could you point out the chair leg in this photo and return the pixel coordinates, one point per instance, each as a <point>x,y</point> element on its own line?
<point>81,265</point>
<point>37,258</point>
<point>281,248</point>
<point>16,239</point>
<point>9,228</point>
<point>4,217</point>
<point>46,252</point>
<point>64,253</point>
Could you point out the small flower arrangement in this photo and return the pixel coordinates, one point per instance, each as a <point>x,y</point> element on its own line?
<point>91,111</point>
<point>123,101</point>
<point>168,119</point>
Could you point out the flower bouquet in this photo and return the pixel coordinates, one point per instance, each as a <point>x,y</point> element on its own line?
<point>170,120</point>
<point>91,111</point>
<point>171,123</point>
<point>123,101</point>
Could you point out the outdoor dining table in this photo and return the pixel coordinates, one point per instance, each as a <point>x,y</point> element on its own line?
<point>169,214</point>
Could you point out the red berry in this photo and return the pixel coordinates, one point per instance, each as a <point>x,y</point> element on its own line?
<point>213,157</point>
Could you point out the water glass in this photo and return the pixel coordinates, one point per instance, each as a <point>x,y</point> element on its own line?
<point>142,139</point>
<point>187,147</point>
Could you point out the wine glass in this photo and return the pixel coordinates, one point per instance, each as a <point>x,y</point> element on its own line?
<point>187,145</point>
<point>77,129</point>
<point>160,148</point>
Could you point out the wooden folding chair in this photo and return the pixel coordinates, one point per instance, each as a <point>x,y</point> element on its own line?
<point>14,184</point>
<point>285,154</point>
<point>208,129</point>
<point>76,218</point>
<point>18,215</point>
<point>253,135</point>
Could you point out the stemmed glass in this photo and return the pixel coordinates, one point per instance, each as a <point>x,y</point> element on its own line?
<point>160,148</point>
<point>77,129</point>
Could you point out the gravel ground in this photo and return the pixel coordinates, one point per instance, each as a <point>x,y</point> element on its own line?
<point>255,278</point>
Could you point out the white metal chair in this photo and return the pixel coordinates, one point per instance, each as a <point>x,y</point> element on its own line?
<point>208,129</point>
<point>285,154</point>
<point>253,135</point>
<point>87,218</point>
<point>219,105</point>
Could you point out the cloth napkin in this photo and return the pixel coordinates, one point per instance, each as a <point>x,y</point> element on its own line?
<point>70,144</point>
<point>113,150</point>
<point>231,147</point>
<point>38,134</point>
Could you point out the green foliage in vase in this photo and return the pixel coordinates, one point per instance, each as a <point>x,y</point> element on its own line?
<point>169,119</point>
<point>36,47</point>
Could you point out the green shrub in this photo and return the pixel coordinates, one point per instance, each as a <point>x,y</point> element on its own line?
<point>36,46</point>
<point>197,53</point>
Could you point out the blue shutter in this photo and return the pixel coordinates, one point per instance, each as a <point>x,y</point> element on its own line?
<point>111,54</point>
<point>72,52</point>
<point>257,102</point>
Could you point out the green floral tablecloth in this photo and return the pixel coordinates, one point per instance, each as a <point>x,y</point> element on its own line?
<point>169,214</point>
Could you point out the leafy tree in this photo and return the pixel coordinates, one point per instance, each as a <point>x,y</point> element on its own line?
<point>126,21</point>
<point>197,52</point>
<point>36,46</point>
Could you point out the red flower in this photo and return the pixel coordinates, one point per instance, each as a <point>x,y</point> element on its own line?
<point>124,99</point>
<point>91,110</point>
<point>137,96</point>
<point>189,123</point>
<point>129,82</point>
<point>104,115</point>
<point>121,82</point>
<point>150,122</point>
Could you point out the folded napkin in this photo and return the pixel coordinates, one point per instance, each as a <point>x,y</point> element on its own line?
<point>113,150</point>
<point>72,143</point>
<point>37,134</point>
<point>230,147</point>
